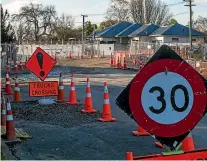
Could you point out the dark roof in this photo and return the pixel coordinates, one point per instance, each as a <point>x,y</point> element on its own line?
<point>129,30</point>
<point>145,30</point>
<point>102,31</point>
<point>160,30</point>
<point>114,30</point>
<point>177,29</point>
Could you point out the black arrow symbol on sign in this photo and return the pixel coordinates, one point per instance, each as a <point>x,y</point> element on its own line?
<point>39,57</point>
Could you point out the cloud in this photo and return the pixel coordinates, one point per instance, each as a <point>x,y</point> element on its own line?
<point>14,6</point>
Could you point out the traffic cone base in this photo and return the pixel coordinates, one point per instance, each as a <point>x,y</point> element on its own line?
<point>144,133</point>
<point>188,143</point>
<point>159,145</point>
<point>129,156</point>
<point>107,120</point>
<point>89,111</point>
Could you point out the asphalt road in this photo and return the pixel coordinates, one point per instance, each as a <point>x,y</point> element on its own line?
<point>96,141</point>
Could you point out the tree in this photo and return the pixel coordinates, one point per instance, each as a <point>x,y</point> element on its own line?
<point>106,23</point>
<point>149,11</point>
<point>140,11</point>
<point>90,28</point>
<point>118,11</point>
<point>7,32</point>
<point>172,22</point>
<point>63,26</point>
<point>40,19</point>
<point>201,24</point>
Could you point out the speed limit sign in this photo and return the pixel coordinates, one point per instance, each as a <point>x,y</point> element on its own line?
<point>167,98</point>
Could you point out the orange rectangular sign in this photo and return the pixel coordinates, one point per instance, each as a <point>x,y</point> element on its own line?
<point>191,155</point>
<point>41,89</point>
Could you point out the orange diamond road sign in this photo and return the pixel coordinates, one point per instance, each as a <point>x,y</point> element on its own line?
<point>40,63</point>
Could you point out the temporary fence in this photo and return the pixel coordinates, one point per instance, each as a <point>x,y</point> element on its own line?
<point>10,53</point>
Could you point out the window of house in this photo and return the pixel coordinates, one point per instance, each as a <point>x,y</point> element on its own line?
<point>175,39</point>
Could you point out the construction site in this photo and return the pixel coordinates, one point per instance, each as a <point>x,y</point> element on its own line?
<point>57,128</point>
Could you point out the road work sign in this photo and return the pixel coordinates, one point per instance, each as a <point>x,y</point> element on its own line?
<point>40,63</point>
<point>41,89</point>
<point>167,97</point>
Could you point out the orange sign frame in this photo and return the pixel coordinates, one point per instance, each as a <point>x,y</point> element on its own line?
<point>42,89</point>
<point>200,154</point>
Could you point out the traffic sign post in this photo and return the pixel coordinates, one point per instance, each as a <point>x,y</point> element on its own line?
<point>167,97</point>
<point>40,63</point>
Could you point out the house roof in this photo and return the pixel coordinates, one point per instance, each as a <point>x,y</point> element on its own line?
<point>129,30</point>
<point>176,29</point>
<point>160,30</point>
<point>145,30</point>
<point>114,30</point>
<point>98,33</point>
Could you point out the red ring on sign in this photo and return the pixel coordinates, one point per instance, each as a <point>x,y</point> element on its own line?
<point>198,107</point>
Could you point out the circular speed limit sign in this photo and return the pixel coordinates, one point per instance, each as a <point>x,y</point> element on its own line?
<point>168,98</point>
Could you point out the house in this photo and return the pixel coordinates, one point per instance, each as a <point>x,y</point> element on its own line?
<point>176,33</point>
<point>108,34</point>
<point>123,36</point>
<point>143,33</point>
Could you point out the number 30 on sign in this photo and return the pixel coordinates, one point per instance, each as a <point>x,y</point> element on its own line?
<point>167,98</point>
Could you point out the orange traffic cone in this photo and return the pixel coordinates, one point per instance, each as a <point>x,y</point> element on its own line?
<point>188,143</point>
<point>129,156</point>
<point>8,68</point>
<point>140,132</point>
<point>15,67</point>
<point>72,98</point>
<point>70,56</point>
<point>112,61</point>
<point>17,97</point>
<point>125,66</point>
<point>3,110</point>
<point>8,89</point>
<point>61,93</point>
<point>106,113</point>
<point>118,63</point>
<point>88,108</point>
<point>21,68</point>
<point>10,128</point>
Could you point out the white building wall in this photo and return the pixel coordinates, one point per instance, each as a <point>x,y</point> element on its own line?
<point>107,48</point>
<point>182,39</point>
<point>143,38</point>
<point>159,38</point>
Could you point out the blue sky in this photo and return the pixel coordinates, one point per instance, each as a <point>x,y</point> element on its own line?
<point>78,7</point>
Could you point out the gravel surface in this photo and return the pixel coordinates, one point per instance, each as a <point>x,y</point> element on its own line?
<point>57,114</point>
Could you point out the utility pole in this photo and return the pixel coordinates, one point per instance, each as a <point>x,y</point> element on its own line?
<point>83,32</point>
<point>83,28</point>
<point>190,5</point>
